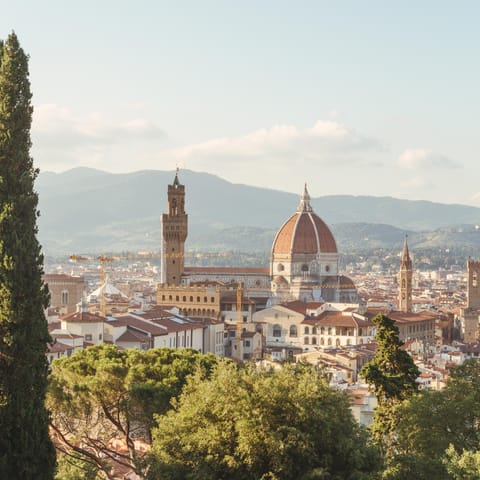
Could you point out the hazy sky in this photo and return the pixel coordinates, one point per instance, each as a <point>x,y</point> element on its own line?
<point>354,97</point>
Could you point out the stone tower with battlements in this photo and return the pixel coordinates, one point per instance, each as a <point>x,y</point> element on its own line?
<point>174,234</point>
<point>405,280</point>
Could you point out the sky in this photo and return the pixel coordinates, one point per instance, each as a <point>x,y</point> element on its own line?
<point>352,97</point>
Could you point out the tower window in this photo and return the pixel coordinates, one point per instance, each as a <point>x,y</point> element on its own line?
<point>65,297</point>
<point>280,267</point>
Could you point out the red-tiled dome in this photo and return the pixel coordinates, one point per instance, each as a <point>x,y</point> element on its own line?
<point>304,232</point>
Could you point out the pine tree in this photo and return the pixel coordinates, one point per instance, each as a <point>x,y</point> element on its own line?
<point>26,450</point>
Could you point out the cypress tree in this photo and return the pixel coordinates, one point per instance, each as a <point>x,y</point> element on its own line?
<point>26,451</point>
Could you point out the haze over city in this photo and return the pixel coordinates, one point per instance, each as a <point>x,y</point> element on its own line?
<point>368,98</point>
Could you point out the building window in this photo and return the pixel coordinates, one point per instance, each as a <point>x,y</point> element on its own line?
<point>337,342</point>
<point>277,330</point>
<point>177,298</point>
<point>198,299</point>
<point>293,331</point>
<point>99,336</point>
<point>205,299</point>
<point>163,297</point>
<point>304,267</point>
<point>65,297</point>
<point>88,337</point>
<point>184,298</point>
<point>306,341</point>
<point>247,343</point>
<point>327,268</point>
<point>280,267</point>
<point>314,340</point>
<point>212,299</point>
<point>314,330</point>
<point>306,330</point>
<point>191,299</point>
<point>329,341</point>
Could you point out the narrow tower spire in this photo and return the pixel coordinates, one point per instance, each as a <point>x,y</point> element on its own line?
<point>405,276</point>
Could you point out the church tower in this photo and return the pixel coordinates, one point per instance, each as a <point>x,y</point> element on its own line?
<point>174,234</point>
<point>405,280</point>
<point>473,285</point>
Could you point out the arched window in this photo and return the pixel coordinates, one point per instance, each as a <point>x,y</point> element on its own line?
<point>64,297</point>
<point>277,330</point>
<point>198,299</point>
<point>329,341</point>
<point>305,341</point>
<point>314,330</point>
<point>322,330</point>
<point>306,331</point>
<point>191,299</point>
<point>293,330</point>
<point>314,340</point>
<point>280,267</point>
<point>184,298</point>
<point>337,342</point>
<point>322,341</point>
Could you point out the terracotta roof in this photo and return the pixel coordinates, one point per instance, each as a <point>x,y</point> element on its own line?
<point>341,281</point>
<point>304,232</point>
<point>337,319</point>
<point>227,270</point>
<point>58,347</point>
<point>296,306</point>
<point>142,325</point>
<point>408,317</point>
<point>132,336</point>
<point>83,317</point>
<point>61,276</point>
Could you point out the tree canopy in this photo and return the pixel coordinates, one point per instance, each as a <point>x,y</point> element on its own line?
<point>101,396</point>
<point>26,451</point>
<point>438,432</point>
<point>250,424</point>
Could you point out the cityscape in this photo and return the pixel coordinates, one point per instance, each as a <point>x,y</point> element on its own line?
<point>239,241</point>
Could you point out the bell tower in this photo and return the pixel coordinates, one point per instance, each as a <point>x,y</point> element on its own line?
<point>405,280</point>
<point>174,234</point>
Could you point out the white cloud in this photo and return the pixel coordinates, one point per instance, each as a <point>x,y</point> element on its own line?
<point>424,158</point>
<point>62,138</point>
<point>327,143</point>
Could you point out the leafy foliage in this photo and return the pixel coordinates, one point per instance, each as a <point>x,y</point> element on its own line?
<point>26,451</point>
<point>249,424</point>
<point>102,395</point>
<point>438,432</point>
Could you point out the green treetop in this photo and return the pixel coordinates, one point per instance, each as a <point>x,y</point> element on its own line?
<point>392,376</point>
<point>26,451</point>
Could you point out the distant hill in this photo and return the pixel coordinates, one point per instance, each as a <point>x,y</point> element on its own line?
<point>89,210</point>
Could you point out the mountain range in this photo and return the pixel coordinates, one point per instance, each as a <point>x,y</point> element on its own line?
<point>88,210</point>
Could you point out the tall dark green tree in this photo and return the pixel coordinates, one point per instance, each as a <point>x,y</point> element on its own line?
<point>392,375</point>
<point>26,451</point>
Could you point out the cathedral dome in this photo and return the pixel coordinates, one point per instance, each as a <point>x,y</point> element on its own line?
<point>304,233</point>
